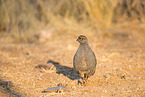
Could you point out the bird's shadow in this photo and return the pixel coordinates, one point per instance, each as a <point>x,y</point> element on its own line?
<point>66,71</point>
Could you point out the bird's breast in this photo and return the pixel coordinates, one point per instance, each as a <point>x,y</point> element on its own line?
<point>84,63</point>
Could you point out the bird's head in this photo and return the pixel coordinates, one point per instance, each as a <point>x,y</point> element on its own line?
<point>82,39</point>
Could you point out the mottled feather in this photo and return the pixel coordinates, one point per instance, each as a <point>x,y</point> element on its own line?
<point>84,60</point>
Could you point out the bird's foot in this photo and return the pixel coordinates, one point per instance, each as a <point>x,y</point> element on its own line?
<point>82,82</point>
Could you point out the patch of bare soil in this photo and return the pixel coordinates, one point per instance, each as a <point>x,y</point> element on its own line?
<point>120,70</point>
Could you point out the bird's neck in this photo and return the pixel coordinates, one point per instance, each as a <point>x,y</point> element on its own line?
<point>84,45</point>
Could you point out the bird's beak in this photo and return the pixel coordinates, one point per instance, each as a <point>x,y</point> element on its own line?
<point>77,39</point>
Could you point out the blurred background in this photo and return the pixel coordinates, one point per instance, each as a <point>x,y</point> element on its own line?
<point>28,20</point>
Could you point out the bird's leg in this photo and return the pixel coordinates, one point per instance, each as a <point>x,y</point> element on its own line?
<point>86,78</point>
<point>84,82</point>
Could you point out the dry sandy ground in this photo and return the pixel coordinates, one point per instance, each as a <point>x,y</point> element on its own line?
<point>120,71</point>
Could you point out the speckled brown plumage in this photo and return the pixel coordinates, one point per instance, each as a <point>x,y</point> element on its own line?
<point>84,60</point>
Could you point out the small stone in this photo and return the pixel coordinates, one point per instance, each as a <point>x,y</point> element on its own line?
<point>57,89</point>
<point>46,66</point>
<point>123,77</point>
<point>6,84</point>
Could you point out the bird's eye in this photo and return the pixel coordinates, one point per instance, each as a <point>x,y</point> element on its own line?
<point>80,38</point>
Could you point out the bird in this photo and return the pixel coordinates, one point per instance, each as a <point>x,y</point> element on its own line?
<point>84,60</point>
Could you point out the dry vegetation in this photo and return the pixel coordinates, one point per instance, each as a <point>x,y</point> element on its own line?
<point>38,31</point>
